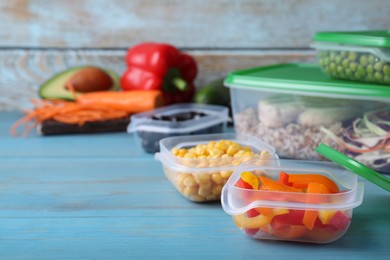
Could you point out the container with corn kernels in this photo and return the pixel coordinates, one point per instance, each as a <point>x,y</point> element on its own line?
<point>199,165</point>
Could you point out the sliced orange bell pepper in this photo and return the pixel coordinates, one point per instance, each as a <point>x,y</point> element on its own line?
<point>270,184</point>
<point>311,215</point>
<point>301,181</point>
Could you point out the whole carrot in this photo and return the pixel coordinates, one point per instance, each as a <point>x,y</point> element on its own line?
<point>134,101</point>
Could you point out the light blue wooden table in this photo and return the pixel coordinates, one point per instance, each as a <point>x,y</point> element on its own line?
<point>101,197</point>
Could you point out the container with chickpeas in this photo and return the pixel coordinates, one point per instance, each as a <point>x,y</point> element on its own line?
<point>199,165</point>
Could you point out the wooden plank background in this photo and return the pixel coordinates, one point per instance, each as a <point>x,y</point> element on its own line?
<point>39,38</point>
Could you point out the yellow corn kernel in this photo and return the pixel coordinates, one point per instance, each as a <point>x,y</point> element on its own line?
<point>190,155</point>
<point>216,178</point>
<point>222,145</point>
<point>232,149</point>
<point>189,181</point>
<point>175,151</point>
<point>200,149</point>
<point>202,177</point>
<point>181,152</point>
<point>247,149</point>
<point>210,145</point>
<point>228,142</point>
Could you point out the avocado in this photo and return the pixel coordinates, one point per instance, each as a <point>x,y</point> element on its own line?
<point>55,87</point>
<point>214,93</point>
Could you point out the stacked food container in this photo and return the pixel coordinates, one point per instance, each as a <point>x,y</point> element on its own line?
<point>295,107</point>
<point>341,105</point>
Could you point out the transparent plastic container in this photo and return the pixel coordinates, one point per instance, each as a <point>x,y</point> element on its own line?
<point>295,107</point>
<point>176,120</point>
<point>357,56</point>
<point>293,216</point>
<point>202,179</point>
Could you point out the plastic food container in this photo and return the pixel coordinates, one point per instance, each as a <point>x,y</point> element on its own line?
<point>201,179</point>
<point>175,120</point>
<point>359,56</point>
<point>295,107</point>
<point>290,215</point>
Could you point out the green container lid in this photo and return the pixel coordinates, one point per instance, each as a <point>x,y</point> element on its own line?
<point>303,79</point>
<point>354,166</point>
<point>365,38</point>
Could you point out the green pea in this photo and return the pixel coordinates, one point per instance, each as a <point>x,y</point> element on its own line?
<point>370,68</point>
<point>332,55</point>
<point>337,59</point>
<point>326,60</point>
<point>360,70</point>
<point>372,59</point>
<point>343,54</point>
<point>358,76</point>
<point>353,66</point>
<point>386,69</point>
<point>378,76</point>
<point>340,69</point>
<point>345,62</point>
<point>363,60</point>
<point>348,73</point>
<point>332,67</point>
<point>378,66</point>
<point>352,56</point>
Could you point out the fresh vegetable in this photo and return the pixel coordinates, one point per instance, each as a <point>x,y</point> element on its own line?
<point>214,93</point>
<point>128,101</point>
<point>90,107</point>
<point>367,139</point>
<point>301,181</point>
<point>292,223</point>
<point>351,65</point>
<point>84,79</point>
<point>160,66</point>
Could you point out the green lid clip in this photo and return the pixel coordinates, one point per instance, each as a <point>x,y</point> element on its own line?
<point>354,166</point>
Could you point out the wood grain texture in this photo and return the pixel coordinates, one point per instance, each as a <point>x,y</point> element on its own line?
<point>23,71</point>
<point>193,24</point>
<point>58,201</point>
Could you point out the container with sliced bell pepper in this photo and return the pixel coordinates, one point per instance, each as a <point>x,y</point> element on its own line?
<point>160,66</point>
<point>314,206</point>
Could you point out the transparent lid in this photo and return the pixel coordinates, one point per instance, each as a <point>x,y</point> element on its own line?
<point>237,200</point>
<point>354,166</point>
<point>153,121</point>
<point>211,164</point>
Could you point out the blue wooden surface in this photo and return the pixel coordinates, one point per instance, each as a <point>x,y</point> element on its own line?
<point>101,197</point>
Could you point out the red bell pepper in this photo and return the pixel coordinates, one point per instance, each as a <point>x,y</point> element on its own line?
<point>160,66</point>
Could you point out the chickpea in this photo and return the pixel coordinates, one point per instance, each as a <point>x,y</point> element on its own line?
<point>216,190</point>
<point>189,181</point>
<point>204,191</point>
<point>216,178</point>
<point>202,177</point>
<point>190,191</point>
